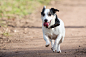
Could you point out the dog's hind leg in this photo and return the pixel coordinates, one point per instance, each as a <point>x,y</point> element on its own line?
<point>47,40</point>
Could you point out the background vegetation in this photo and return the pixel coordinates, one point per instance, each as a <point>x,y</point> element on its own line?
<point>16,9</point>
<point>11,8</point>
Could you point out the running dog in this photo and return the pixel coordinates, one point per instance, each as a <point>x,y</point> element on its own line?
<point>53,28</point>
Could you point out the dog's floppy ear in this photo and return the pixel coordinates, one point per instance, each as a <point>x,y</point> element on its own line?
<point>43,9</point>
<point>54,10</point>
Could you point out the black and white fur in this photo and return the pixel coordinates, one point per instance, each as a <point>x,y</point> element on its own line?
<point>55,31</point>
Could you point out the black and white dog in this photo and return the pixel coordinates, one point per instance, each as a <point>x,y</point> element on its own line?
<point>53,28</point>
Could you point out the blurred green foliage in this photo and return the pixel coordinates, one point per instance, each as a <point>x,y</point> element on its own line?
<point>6,34</point>
<point>10,8</point>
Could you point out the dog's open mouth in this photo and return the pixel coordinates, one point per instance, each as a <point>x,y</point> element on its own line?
<point>46,24</point>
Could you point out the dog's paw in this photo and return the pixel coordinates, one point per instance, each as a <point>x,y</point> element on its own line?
<point>47,45</point>
<point>59,51</point>
<point>54,50</point>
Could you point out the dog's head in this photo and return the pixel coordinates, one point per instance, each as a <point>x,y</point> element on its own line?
<point>48,16</point>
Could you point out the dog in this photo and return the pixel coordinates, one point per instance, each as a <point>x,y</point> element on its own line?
<point>53,29</point>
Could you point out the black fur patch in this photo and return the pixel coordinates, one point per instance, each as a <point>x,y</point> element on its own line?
<point>53,11</point>
<point>42,13</point>
<point>57,22</point>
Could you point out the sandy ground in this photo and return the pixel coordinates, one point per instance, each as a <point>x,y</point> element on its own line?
<point>26,38</point>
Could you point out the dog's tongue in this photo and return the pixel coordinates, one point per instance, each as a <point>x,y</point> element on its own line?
<point>46,24</point>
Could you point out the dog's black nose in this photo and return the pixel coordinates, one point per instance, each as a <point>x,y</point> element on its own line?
<point>45,20</point>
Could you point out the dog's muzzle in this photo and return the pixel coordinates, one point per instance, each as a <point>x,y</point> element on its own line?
<point>46,24</point>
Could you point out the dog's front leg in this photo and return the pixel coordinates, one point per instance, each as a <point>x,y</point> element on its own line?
<point>52,43</point>
<point>56,46</point>
<point>46,39</point>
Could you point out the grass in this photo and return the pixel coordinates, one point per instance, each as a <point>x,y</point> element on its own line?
<point>3,23</point>
<point>6,34</point>
<point>11,8</point>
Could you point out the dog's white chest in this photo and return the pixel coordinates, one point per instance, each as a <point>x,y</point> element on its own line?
<point>52,33</point>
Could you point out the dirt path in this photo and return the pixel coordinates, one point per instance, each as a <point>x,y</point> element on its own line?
<point>27,39</point>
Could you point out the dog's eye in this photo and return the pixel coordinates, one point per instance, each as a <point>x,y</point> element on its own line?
<point>43,14</point>
<point>49,14</point>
